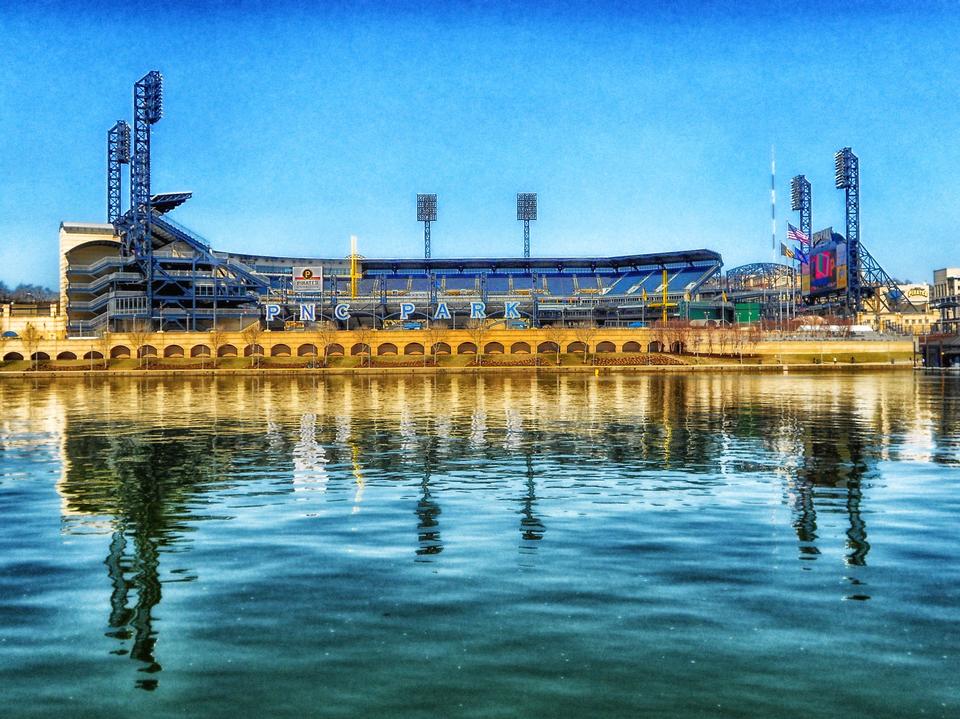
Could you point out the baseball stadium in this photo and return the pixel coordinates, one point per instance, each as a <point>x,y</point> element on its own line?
<point>142,273</point>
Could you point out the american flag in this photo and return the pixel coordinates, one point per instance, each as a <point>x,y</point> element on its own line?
<point>796,235</point>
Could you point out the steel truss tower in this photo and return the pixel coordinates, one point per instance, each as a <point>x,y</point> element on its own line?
<point>526,211</point>
<point>800,201</point>
<point>118,153</point>
<point>848,178</point>
<point>426,213</point>
<point>147,110</point>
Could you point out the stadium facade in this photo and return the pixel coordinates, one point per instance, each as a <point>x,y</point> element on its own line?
<point>181,283</point>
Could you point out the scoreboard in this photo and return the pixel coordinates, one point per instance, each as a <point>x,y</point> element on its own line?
<point>827,269</point>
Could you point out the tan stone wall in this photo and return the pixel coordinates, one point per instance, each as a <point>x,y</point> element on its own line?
<point>512,341</point>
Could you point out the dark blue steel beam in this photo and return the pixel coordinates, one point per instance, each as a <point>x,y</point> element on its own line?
<point>118,154</point>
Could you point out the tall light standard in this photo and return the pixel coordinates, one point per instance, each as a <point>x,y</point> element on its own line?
<point>526,211</point>
<point>426,213</point>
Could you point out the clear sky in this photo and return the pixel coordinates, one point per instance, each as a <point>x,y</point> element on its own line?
<point>642,128</point>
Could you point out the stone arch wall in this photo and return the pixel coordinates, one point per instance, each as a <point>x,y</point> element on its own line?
<point>577,346</point>
<point>493,348</point>
<point>66,356</point>
<point>520,348</point>
<point>120,352</point>
<point>227,351</point>
<point>307,350</point>
<point>547,347</point>
<point>280,350</point>
<point>413,348</point>
<point>631,346</point>
<point>147,351</point>
<point>387,348</point>
<point>173,351</point>
<point>12,356</point>
<point>200,351</point>
<point>466,348</point>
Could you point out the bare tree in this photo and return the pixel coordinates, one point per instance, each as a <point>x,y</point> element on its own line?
<point>138,333</point>
<point>555,334</point>
<point>696,340</point>
<point>218,338</point>
<point>363,336</point>
<point>585,333</point>
<point>251,337</point>
<point>723,339</point>
<point>477,330</point>
<point>103,347</point>
<point>326,336</point>
<point>436,333</point>
<point>31,339</point>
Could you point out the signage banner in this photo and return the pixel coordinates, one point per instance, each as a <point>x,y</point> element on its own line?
<point>308,279</point>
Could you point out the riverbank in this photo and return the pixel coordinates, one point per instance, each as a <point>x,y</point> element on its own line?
<point>747,368</point>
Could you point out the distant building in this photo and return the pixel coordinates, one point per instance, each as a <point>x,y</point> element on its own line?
<point>946,299</point>
<point>906,310</point>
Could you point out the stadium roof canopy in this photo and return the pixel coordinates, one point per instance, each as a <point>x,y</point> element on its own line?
<point>553,264</point>
<point>166,201</point>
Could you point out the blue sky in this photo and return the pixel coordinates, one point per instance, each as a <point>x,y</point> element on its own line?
<point>641,128</point>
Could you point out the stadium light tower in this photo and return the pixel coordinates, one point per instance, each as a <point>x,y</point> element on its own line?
<point>118,153</point>
<point>147,110</point>
<point>426,213</point>
<point>800,201</point>
<point>848,178</point>
<point>526,211</point>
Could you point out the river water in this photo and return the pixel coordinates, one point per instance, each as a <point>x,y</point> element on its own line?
<point>481,546</point>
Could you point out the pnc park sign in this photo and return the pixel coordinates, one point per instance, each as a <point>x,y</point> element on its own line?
<point>341,311</point>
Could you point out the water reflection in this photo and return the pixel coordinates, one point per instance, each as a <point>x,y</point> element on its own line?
<point>150,460</point>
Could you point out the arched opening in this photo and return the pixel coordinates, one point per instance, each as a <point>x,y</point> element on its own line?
<point>606,347</point>
<point>631,346</point>
<point>173,351</point>
<point>200,351</point>
<point>227,351</point>
<point>677,347</point>
<point>92,355</point>
<point>441,348</point>
<point>120,352</point>
<point>40,356</point>
<point>577,347</point>
<point>387,348</point>
<point>251,350</point>
<point>11,356</point>
<point>493,348</point>
<point>466,348</point>
<point>335,350</point>
<point>545,347</point>
<point>280,350</point>
<point>414,348</point>
<point>66,356</point>
<point>520,348</point>
<point>307,351</point>
<point>360,349</point>
<point>147,351</point>
<point>655,346</point>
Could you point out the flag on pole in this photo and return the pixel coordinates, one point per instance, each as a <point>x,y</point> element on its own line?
<point>644,294</point>
<point>796,235</point>
<point>723,296</point>
<point>801,256</point>
<point>787,252</point>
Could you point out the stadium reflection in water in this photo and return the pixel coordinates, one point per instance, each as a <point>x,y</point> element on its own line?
<point>572,463</point>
